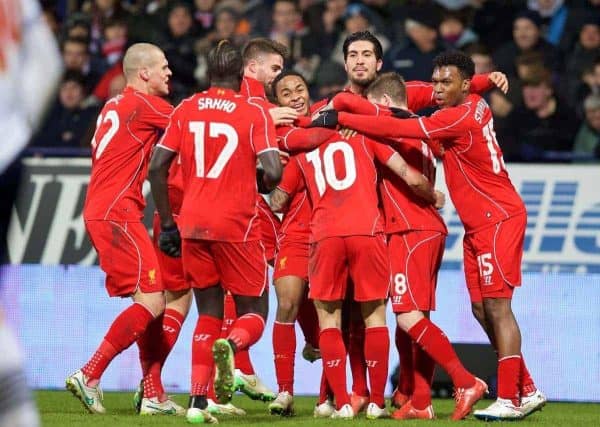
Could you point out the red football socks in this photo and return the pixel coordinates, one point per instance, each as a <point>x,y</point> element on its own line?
<point>246,330</point>
<point>284,351</point>
<point>525,381</point>
<point>149,345</point>
<point>377,349</point>
<point>334,356</point>
<point>423,376</point>
<point>509,370</point>
<point>208,329</point>
<point>404,345</point>
<point>325,391</point>
<point>432,340</point>
<point>356,356</point>
<point>124,331</point>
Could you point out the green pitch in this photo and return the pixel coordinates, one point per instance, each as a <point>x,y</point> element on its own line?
<point>59,408</point>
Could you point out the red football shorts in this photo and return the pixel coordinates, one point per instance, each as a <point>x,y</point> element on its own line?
<point>415,257</point>
<point>240,267</point>
<point>363,258</point>
<point>127,257</point>
<point>492,259</point>
<point>292,260</point>
<point>171,269</point>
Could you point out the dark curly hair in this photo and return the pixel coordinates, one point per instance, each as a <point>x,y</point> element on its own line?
<point>463,62</point>
<point>363,36</point>
<point>282,75</point>
<point>224,62</point>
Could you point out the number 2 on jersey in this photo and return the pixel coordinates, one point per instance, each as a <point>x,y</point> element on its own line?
<point>215,130</point>
<point>112,117</point>
<point>330,176</point>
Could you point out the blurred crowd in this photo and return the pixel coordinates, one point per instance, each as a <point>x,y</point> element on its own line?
<point>550,49</point>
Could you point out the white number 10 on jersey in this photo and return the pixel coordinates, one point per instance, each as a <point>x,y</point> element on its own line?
<point>328,166</point>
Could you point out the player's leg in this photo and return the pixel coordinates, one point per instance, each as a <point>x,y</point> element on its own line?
<point>498,251</point>
<point>354,337</point>
<point>290,292</point>
<point>309,324</point>
<point>136,273</point>
<point>328,276</point>
<point>369,267</point>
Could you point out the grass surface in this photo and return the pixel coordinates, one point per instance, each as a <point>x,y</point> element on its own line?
<point>60,408</point>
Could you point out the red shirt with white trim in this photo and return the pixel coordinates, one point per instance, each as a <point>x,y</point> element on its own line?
<point>295,226</point>
<point>341,179</point>
<point>127,129</point>
<point>476,176</point>
<point>218,135</point>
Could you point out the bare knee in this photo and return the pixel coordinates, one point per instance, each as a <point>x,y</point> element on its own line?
<point>478,312</point>
<point>155,301</point>
<point>497,309</point>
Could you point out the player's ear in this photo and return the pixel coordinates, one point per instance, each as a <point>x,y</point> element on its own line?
<point>466,85</point>
<point>379,64</point>
<point>144,74</point>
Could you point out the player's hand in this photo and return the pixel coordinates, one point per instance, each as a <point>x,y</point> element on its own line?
<point>169,241</point>
<point>401,113</point>
<point>500,80</point>
<point>283,115</point>
<point>347,133</point>
<point>440,199</point>
<point>325,119</point>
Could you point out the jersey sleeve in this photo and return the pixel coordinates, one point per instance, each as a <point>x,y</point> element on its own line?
<point>296,139</point>
<point>156,112</point>
<point>352,103</point>
<point>291,180</point>
<point>262,130</point>
<point>382,152</point>
<point>481,83</point>
<point>171,139</point>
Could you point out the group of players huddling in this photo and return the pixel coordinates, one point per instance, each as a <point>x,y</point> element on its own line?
<point>352,177</point>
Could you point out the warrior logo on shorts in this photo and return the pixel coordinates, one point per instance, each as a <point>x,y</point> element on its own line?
<point>282,263</point>
<point>152,276</point>
<point>485,268</point>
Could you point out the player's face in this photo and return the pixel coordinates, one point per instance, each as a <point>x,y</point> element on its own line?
<point>361,63</point>
<point>158,75</point>
<point>291,91</point>
<point>269,67</point>
<point>449,87</point>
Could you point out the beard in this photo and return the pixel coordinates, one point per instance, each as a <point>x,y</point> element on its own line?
<point>364,81</point>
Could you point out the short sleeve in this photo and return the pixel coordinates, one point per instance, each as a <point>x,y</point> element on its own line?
<point>171,140</point>
<point>382,152</point>
<point>262,130</point>
<point>291,180</point>
<point>156,111</point>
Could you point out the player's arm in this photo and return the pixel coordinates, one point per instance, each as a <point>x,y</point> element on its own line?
<point>445,123</point>
<point>418,183</point>
<point>303,139</point>
<point>278,200</point>
<point>271,164</point>
<point>351,103</point>
<point>169,240</point>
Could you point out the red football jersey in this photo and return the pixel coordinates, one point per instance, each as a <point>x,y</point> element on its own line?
<point>218,135</point>
<point>295,226</point>
<point>127,129</point>
<point>403,209</point>
<point>476,177</point>
<point>341,179</point>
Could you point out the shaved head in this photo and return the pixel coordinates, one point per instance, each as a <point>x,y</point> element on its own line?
<point>138,56</point>
<point>146,69</point>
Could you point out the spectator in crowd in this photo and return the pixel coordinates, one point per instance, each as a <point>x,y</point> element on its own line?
<point>582,57</point>
<point>99,11</point>
<point>78,25</point>
<point>492,20</point>
<point>587,141</point>
<point>554,15</point>
<point>526,38</point>
<point>482,58</point>
<point>454,32</point>
<point>226,21</point>
<point>204,16</point>
<point>114,41</point>
<point>68,124</point>
<point>543,128</point>
<point>357,18</point>
<point>414,59</point>
<point>330,26</point>
<point>178,44</point>
<point>76,57</point>
<point>581,11</point>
